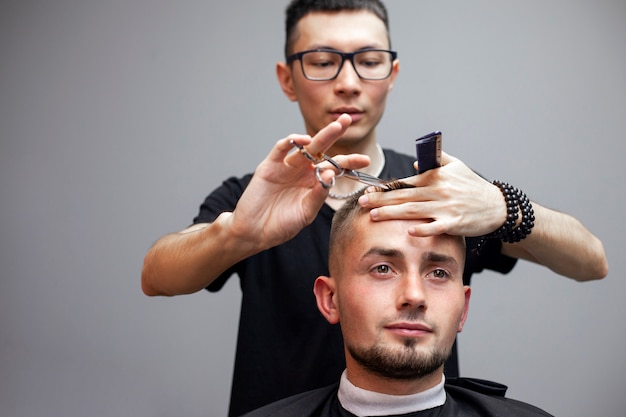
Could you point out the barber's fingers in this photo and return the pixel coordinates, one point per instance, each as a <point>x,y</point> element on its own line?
<point>429,227</point>
<point>326,137</point>
<point>351,161</point>
<point>447,158</point>
<point>285,151</point>
<point>314,146</point>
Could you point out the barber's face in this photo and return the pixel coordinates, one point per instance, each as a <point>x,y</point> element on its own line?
<point>321,102</point>
<point>400,299</point>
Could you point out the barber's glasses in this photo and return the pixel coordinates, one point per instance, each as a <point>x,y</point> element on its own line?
<point>325,64</point>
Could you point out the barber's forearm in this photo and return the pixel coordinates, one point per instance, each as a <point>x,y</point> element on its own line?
<point>561,243</point>
<point>188,261</point>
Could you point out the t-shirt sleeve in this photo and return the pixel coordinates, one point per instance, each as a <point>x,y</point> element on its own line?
<point>489,256</point>
<point>223,199</point>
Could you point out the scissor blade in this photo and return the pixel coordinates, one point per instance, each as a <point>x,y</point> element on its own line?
<point>366,178</point>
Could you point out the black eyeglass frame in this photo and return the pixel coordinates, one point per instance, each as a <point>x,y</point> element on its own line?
<point>344,55</point>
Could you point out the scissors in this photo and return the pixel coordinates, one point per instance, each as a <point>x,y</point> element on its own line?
<point>359,176</point>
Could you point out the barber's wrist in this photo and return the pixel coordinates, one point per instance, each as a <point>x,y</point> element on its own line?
<point>520,216</point>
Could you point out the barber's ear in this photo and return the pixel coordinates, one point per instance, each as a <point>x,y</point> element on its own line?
<point>468,293</point>
<point>283,73</point>
<point>325,291</point>
<point>394,73</point>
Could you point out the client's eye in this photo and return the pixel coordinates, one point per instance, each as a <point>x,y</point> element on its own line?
<point>440,274</point>
<point>383,269</point>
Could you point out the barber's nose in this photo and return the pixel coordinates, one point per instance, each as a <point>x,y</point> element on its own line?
<point>347,80</point>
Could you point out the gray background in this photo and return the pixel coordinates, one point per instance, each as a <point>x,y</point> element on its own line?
<point>118,117</point>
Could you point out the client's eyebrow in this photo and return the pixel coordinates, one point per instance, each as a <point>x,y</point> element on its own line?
<point>430,256</point>
<point>385,252</point>
<point>441,258</point>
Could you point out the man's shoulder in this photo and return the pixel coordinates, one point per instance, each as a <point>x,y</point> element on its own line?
<point>231,187</point>
<point>394,155</point>
<point>301,405</point>
<point>486,398</point>
<point>397,165</point>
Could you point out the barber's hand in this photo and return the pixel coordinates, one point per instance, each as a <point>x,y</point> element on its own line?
<point>284,194</point>
<point>456,199</point>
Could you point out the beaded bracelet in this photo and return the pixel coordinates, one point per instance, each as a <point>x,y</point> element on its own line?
<point>516,201</point>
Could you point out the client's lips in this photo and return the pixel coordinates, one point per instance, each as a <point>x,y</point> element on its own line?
<point>409,329</point>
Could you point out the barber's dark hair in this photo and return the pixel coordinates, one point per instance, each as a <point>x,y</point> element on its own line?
<point>297,9</point>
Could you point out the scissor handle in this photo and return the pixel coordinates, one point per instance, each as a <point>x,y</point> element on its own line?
<point>339,170</point>
<point>326,186</point>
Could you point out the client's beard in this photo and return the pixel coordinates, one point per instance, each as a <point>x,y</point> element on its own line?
<point>400,363</point>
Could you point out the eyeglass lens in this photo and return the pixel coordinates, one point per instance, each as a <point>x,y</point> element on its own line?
<point>325,65</point>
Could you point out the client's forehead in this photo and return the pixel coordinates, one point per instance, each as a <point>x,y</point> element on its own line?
<point>394,234</point>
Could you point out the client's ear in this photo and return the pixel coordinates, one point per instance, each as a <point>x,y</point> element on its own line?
<point>468,293</point>
<point>324,290</point>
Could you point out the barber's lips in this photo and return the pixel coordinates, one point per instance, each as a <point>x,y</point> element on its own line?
<point>354,114</point>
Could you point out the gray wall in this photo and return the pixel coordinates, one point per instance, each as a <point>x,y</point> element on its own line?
<point>117,117</point>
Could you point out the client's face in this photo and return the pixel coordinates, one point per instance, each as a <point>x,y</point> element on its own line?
<point>401,299</point>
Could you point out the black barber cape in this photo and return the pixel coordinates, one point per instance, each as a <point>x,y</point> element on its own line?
<point>465,397</point>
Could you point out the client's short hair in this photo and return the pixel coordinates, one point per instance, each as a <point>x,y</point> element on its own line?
<point>342,229</point>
